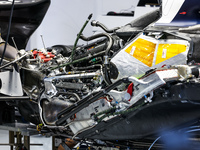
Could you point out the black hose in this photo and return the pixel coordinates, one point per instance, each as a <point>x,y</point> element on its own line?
<point>98,24</point>
<point>8,33</point>
<point>107,78</point>
<point>96,48</point>
<point>106,61</point>
<point>98,36</point>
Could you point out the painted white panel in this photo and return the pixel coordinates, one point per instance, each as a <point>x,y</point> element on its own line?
<point>4,138</point>
<point>62,23</point>
<point>65,18</point>
<point>170,9</point>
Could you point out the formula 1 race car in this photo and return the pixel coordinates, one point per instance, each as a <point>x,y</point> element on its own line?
<point>129,84</point>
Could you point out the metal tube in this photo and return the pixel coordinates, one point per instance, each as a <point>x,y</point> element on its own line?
<point>6,98</point>
<point>83,75</point>
<point>98,24</point>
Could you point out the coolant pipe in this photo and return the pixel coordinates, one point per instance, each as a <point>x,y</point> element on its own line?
<point>98,48</point>
<point>106,61</point>
<point>18,98</point>
<point>85,102</point>
<point>98,24</point>
<point>107,79</point>
<point>98,36</point>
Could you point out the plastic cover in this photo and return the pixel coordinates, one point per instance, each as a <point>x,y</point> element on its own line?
<point>145,53</point>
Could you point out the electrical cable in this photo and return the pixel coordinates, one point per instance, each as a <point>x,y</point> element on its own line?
<point>189,131</point>
<point>78,36</point>
<point>194,130</point>
<point>192,102</point>
<point>9,26</point>
<point>154,143</point>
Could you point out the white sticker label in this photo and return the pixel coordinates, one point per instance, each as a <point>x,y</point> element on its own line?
<point>132,50</point>
<point>164,53</point>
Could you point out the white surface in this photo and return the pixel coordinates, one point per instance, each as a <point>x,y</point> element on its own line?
<point>62,23</point>
<point>4,138</point>
<point>169,10</point>
<point>118,21</point>
<point>47,142</point>
<point>65,18</point>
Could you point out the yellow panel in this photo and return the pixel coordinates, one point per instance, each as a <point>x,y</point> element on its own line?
<point>166,51</point>
<point>142,50</point>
